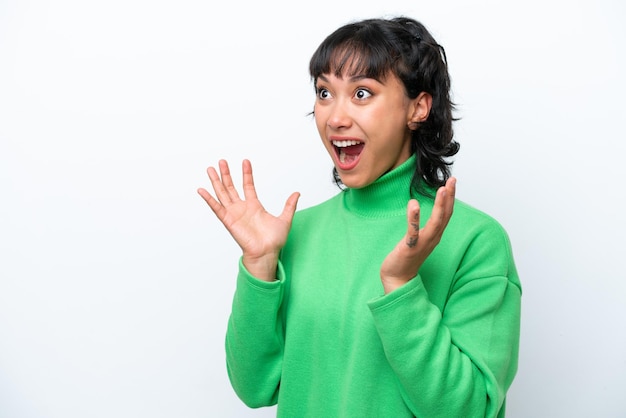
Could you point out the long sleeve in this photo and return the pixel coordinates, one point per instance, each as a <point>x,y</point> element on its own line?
<point>254,339</point>
<point>461,360</point>
<point>323,342</point>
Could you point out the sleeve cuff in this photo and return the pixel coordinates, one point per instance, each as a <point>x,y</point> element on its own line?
<point>248,279</point>
<point>405,291</point>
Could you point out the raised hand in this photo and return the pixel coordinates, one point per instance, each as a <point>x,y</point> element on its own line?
<point>260,234</point>
<point>405,260</point>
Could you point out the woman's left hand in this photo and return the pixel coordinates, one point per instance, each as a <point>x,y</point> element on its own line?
<point>404,261</point>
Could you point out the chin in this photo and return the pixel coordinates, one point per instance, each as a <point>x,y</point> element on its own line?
<point>354,183</point>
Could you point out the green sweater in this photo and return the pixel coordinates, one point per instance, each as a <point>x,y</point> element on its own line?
<point>323,341</point>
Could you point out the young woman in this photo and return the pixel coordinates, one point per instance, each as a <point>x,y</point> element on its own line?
<point>379,302</point>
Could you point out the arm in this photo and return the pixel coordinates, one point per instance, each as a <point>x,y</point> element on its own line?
<point>457,363</point>
<point>254,339</point>
<point>457,358</point>
<point>254,335</point>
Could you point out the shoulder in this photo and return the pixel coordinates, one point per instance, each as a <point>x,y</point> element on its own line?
<point>486,247</point>
<point>475,220</point>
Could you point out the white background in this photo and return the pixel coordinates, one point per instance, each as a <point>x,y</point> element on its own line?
<point>116,279</point>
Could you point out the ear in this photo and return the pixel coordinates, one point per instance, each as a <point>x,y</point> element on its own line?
<point>420,109</point>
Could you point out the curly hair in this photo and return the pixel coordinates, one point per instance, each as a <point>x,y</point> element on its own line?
<point>404,47</point>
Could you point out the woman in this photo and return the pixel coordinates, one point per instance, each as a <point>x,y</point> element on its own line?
<point>379,302</point>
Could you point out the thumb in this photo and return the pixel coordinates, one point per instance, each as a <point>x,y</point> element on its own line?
<point>290,207</point>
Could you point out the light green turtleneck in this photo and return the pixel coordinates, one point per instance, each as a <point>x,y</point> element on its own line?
<point>324,340</point>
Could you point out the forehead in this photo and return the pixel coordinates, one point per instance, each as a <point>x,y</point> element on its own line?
<point>351,58</point>
<point>349,78</point>
<point>345,63</point>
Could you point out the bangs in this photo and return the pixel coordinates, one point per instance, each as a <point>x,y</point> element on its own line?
<point>356,52</point>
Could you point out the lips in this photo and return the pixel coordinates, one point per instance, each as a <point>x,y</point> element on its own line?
<point>347,152</point>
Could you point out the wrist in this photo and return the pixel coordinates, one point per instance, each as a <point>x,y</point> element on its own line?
<point>391,284</point>
<point>262,267</point>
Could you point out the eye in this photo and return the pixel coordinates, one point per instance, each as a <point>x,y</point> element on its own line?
<point>323,93</point>
<point>362,94</point>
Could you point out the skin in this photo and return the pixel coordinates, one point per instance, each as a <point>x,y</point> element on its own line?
<point>404,261</point>
<point>259,234</point>
<point>377,113</point>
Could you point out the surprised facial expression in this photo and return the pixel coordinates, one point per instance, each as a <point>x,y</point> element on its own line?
<point>363,125</point>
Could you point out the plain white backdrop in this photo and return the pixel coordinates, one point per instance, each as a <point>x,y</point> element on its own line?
<point>116,279</point>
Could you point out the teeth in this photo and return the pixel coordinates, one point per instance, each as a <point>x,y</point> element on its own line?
<point>342,157</point>
<point>342,144</point>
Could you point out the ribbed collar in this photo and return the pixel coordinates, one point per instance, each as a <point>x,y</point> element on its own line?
<point>386,197</point>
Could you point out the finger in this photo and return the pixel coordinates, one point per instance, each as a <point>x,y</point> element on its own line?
<point>443,207</point>
<point>218,187</point>
<point>448,204</point>
<point>227,181</point>
<point>215,206</point>
<point>290,207</point>
<point>249,191</point>
<point>413,218</point>
<point>451,185</point>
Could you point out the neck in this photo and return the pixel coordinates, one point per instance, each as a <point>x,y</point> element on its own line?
<point>387,196</point>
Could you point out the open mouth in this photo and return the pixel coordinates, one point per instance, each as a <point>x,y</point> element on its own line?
<point>348,152</point>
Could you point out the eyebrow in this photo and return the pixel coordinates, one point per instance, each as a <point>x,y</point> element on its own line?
<point>351,79</point>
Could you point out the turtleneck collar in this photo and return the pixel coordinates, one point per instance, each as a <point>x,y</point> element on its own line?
<point>385,197</point>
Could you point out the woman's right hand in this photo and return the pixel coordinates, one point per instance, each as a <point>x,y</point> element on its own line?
<point>260,234</point>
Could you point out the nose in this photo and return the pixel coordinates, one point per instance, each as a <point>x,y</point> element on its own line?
<point>339,117</point>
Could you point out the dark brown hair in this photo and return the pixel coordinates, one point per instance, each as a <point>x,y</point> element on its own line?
<point>401,46</point>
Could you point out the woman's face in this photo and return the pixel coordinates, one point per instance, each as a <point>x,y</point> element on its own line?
<point>363,125</point>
